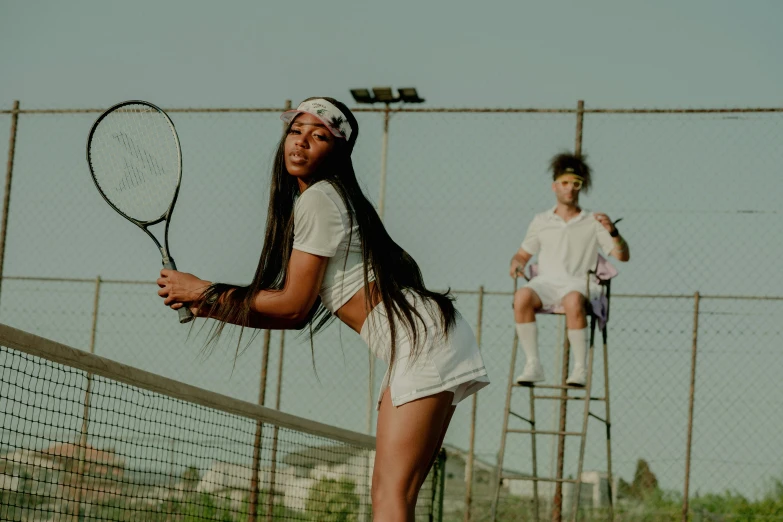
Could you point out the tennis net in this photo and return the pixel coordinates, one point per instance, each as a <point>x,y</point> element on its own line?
<point>86,438</point>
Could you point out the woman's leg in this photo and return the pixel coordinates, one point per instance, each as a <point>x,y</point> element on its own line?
<point>440,440</point>
<point>407,439</point>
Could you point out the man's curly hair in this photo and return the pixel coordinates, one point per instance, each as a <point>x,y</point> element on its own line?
<point>567,163</point>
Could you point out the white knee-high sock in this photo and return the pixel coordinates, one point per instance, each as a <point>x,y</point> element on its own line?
<point>528,338</point>
<point>578,341</point>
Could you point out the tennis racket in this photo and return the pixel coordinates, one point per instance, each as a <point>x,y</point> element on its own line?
<point>136,164</point>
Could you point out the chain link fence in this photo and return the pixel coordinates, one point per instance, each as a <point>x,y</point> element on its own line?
<point>695,189</point>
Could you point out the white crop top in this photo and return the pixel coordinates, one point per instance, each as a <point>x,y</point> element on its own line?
<point>322,227</point>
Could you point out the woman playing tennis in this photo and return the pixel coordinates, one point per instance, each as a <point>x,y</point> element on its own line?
<point>326,253</point>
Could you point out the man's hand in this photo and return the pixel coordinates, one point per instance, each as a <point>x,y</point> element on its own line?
<point>605,221</point>
<point>516,269</point>
<point>518,263</point>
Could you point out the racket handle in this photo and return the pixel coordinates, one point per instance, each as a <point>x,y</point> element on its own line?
<point>185,315</point>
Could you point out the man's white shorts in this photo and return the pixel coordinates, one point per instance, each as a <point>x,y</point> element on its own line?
<point>552,291</point>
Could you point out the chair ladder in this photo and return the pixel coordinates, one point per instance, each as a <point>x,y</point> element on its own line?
<point>561,433</point>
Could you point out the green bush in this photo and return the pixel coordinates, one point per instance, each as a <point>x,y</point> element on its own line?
<point>333,501</point>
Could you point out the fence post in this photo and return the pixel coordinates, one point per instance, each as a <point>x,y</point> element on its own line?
<point>172,457</point>
<point>691,394</point>
<point>438,474</point>
<point>273,467</point>
<point>442,458</point>
<point>254,482</point>
<point>474,408</point>
<point>7,195</point>
<point>557,501</point>
<point>82,448</point>
<point>580,118</point>
<point>384,156</point>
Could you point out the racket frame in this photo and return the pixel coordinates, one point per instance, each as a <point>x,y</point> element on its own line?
<point>168,262</point>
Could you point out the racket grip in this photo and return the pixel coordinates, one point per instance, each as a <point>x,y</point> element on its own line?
<point>185,315</point>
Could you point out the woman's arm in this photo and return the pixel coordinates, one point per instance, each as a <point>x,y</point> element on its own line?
<point>288,308</point>
<point>299,294</point>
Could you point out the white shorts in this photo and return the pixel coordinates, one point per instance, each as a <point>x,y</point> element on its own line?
<point>552,291</point>
<point>444,363</point>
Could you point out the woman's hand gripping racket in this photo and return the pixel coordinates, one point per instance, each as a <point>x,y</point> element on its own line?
<point>135,161</point>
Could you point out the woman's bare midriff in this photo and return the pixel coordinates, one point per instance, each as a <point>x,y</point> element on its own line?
<point>355,311</point>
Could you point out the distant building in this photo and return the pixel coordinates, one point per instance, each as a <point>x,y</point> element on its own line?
<point>60,470</point>
<point>28,471</point>
<point>233,481</point>
<point>223,476</point>
<point>97,463</point>
<point>293,479</point>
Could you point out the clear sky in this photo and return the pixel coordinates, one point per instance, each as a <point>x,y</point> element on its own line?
<point>686,187</point>
<point>463,54</point>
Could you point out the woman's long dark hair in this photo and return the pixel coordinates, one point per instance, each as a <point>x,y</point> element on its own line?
<point>395,271</point>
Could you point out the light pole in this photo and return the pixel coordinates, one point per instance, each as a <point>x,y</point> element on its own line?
<point>381,95</point>
<point>385,95</point>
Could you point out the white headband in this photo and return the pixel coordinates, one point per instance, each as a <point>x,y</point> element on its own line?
<point>327,112</point>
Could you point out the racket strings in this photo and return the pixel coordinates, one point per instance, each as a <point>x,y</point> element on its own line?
<point>136,162</point>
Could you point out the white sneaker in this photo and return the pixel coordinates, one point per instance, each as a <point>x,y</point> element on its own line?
<point>533,372</point>
<point>578,376</point>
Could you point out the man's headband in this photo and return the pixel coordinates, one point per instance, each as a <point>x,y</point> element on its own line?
<point>570,170</point>
<point>325,111</point>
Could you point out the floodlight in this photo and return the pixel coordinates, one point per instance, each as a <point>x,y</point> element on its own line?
<point>362,96</point>
<point>384,95</point>
<point>409,95</point>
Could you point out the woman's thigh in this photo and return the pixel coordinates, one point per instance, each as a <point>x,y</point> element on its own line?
<point>407,438</point>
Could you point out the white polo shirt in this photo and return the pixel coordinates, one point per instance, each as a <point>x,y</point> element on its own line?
<point>322,227</point>
<point>566,250</point>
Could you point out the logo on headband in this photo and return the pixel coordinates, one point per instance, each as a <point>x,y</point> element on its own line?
<point>333,121</point>
<point>327,112</point>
